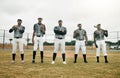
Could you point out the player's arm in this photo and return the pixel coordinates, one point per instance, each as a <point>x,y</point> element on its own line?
<point>106,33</point>
<point>95,40</point>
<point>43,29</point>
<point>22,30</point>
<point>63,31</point>
<point>12,29</point>
<point>86,38</point>
<point>56,31</point>
<point>75,34</point>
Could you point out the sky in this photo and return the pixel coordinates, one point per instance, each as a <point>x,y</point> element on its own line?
<point>72,12</point>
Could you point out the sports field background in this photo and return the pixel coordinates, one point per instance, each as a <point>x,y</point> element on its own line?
<point>58,70</point>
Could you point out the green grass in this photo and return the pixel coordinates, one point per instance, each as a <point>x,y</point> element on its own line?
<point>58,70</point>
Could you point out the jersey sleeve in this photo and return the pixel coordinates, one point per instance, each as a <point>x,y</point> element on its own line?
<point>22,30</point>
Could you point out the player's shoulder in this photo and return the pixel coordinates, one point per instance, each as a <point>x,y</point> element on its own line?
<point>22,26</point>
<point>95,31</point>
<point>64,27</point>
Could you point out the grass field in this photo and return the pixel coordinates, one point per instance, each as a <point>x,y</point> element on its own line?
<point>58,70</point>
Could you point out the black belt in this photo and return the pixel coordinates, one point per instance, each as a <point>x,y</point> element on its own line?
<point>81,39</point>
<point>18,37</point>
<point>59,38</point>
<point>39,36</point>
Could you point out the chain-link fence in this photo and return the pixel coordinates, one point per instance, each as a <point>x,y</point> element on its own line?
<point>6,38</point>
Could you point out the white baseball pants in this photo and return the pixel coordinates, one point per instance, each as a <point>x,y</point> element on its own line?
<point>80,44</point>
<point>101,44</point>
<point>38,41</point>
<point>20,44</point>
<point>59,43</point>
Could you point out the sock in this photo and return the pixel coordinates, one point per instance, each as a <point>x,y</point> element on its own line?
<point>22,56</point>
<point>63,56</point>
<point>105,58</point>
<point>97,58</point>
<point>13,57</point>
<point>41,53</point>
<point>75,57</point>
<point>84,56</point>
<point>54,56</point>
<point>34,54</point>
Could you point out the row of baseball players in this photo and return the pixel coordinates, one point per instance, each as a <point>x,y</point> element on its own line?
<point>39,30</point>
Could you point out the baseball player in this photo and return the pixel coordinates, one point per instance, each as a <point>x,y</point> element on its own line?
<point>37,38</point>
<point>18,34</point>
<point>100,42</point>
<point>60,33</point>
<point>81,40</point>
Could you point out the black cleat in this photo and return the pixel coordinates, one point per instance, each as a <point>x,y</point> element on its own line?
<point>106,61</point>
<point>33,61</point>
<point>85,62</point>
<point>74,62</point>
<point>42,62</point>
<point>97,61</point>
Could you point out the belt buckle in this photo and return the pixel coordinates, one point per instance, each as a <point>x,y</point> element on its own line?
<point>38,35</point>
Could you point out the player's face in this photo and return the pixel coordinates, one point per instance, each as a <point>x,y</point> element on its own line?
<point>99,27</point>
<point>80,26</point>
<point>19,22</point>
<point>39,20</point>
<point>60,23</point>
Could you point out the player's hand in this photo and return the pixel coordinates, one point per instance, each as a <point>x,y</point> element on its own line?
<point>86,43</point>
<point>62,30</point>
<point>43,29</point>
<point>14,27</point>
<point>77,32</point>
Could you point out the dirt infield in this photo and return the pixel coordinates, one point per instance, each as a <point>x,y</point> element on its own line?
<point>58,70</point>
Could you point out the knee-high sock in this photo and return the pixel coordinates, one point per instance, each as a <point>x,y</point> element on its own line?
<point>97,58</point>
<point>75,57</point>
<point>34,54</point>
<point>22,56</point>
<point>41,53</point>
<point>63,56</point>
<point>84,56</point>
<point>13,57</point>
<point>54,56</point>
<point>105,58</point>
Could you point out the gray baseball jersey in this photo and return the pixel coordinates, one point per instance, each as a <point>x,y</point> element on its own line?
<point>99,35</point>
<point>81,34</point>
<point>37,30</point>
<point>18,33</point>
<point>58,32</point>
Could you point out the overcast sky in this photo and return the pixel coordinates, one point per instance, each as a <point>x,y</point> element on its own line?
<point>72,12</point>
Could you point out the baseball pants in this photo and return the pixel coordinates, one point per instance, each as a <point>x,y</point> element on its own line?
<point>38,41</point>
<point>80,44</point>
<point>101,44</point>
<point>61,43</point>
<point>20,43</point>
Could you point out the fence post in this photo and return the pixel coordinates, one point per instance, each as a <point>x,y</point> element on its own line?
<point>3,39</point>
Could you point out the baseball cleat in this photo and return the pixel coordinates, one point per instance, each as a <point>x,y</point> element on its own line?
<point>33,61</point>
<point>106,61</point>
<point>85,62</point>
<point>53,62</point>
<point>74,62</point>
<point>64,62</point>
<point>13,62</point>
<point>97,61</point>
<point>41,61</point>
